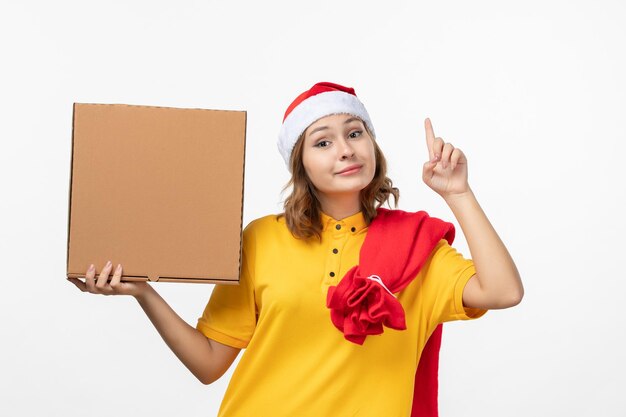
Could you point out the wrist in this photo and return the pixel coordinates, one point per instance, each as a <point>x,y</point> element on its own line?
<point>459,197</point>
<point>146,292</point>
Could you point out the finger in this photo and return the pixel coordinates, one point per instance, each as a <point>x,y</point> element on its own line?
<point>89,278</point>
<point>104,275</point>
<point>430,137</point>
<point>117,277</point>
<point>78,283</point>
<point>428,171</point>
<point>457,158</point>
<point>445,154</point>
<point>438,148</point>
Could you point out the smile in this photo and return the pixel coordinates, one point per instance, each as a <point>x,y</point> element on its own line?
<point>350,172</point>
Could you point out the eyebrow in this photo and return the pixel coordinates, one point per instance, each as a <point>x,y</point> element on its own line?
<point>317,129</point>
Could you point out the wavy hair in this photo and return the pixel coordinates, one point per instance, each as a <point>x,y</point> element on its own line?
<point>302,206</point>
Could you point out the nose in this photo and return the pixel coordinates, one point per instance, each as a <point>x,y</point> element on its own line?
<point>346,150</point>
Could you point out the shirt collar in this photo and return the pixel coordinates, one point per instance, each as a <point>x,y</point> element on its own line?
<point>354,223</point>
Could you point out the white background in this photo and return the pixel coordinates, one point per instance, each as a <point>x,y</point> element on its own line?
<point>530,91</point>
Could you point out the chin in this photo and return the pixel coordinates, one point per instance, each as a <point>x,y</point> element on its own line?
<point>355,187</point>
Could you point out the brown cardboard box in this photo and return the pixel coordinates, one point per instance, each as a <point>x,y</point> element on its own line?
<point>159,190</point>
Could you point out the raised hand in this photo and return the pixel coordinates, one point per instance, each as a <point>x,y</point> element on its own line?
<point>446,170</point>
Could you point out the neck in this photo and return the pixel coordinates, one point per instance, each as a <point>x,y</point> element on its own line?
<point>340,206</point>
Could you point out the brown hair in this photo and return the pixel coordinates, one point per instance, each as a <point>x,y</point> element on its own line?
<point>302,206</point>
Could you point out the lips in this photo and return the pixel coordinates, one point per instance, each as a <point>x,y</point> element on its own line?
<point>350,168</point>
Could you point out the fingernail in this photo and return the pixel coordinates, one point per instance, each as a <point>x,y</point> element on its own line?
<point>91,267</point>
<point>108,264</point>
<point>119,266</point>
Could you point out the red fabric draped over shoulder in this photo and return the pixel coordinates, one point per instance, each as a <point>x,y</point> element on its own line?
<point>396,246</point>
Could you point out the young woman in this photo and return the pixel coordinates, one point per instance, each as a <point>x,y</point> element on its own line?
<point>339,298</point>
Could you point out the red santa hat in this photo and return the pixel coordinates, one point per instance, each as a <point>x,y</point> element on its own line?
<point>323,99</point>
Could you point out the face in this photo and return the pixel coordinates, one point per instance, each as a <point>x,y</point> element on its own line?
<point>332,144</point>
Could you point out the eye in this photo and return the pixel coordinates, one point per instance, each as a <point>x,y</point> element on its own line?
<point>355,134</point>
<point>319,144</point>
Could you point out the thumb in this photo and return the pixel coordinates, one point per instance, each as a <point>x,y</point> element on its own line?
<point>428,170</point>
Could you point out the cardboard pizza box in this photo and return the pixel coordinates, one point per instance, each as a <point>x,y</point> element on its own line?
<point>159,190</point>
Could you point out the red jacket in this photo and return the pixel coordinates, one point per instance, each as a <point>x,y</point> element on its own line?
<point>396,246</point>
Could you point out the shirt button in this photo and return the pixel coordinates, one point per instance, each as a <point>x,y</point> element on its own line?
<point>338,227</point>
<point>332,274</point>
<point>335,250</point>
<point>353,229</point>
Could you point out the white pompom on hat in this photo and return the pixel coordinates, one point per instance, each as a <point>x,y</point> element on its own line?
<point>323,99</point>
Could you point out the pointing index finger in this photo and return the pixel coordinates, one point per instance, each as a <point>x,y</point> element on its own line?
<point>430,137</point>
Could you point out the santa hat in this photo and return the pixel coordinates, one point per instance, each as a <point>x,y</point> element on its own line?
<point>323,99</point>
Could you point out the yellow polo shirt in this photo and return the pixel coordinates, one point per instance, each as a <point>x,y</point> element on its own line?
<point>296,362</point>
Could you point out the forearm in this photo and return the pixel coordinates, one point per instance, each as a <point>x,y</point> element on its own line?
<point>187,343</point>
<point>495,269</point>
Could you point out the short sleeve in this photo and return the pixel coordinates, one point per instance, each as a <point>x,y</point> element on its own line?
<point>230,316</point>
<point>446,274</point>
